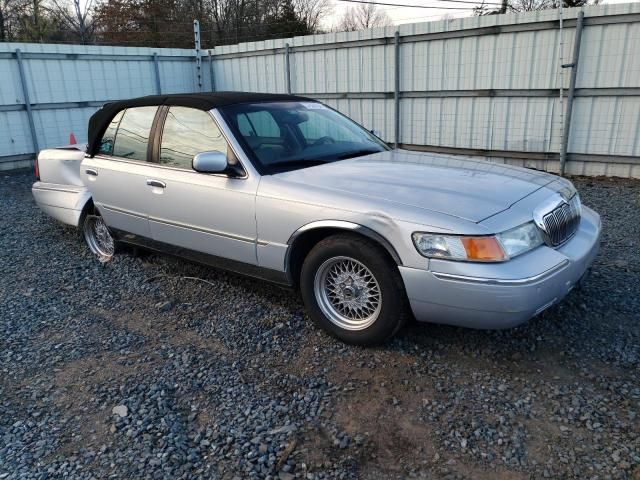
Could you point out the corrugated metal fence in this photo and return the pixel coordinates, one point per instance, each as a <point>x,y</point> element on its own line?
<point>485,86</point>
<point>49,91</point>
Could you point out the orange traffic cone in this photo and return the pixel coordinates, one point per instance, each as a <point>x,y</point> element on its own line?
<point>72,139</point>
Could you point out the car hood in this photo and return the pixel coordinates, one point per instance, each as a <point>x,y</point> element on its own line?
<point>465,188</point>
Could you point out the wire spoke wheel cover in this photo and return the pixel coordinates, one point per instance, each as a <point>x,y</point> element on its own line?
<point>348,293</point>
<point>98,237</point>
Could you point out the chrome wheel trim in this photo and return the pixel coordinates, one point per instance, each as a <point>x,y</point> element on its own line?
<point>348,293</point>
<point>98,237</point>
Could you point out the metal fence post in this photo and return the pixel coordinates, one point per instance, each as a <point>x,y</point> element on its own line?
<point>27,102</point>
<point>156,67</point>
<point>211,74</point>
<point>196,37</point>
<point>287,67</point>
<point>572,89</point>
<point>396,93</point>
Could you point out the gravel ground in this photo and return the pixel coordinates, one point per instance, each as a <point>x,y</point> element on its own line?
<point>156,368</point>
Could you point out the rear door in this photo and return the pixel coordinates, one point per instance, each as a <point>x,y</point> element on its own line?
<point>208,213</point>
<point>117,176</point>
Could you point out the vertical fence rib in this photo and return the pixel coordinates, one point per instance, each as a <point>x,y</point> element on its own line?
<point>396,93</point>
<point>156,67</point>
<point>27,101</point>
<point>287,67</point>
<point>561,77</point>
<point>212,78</point>
<point>571,93</point>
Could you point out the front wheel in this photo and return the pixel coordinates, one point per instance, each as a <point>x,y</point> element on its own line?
<point>98,237</point>
<point>353,290</point>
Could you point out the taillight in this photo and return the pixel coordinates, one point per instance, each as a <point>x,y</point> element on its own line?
<point>37,168</point>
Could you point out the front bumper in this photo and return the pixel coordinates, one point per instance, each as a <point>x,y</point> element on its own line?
<point>502,295</point>
<point>62,202</point>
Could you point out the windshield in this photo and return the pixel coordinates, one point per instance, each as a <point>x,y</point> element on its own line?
<point>282,136</point>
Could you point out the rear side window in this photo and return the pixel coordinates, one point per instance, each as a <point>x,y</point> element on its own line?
<point>187,132</point>
<point>132,136</point>
<point>106,145</point>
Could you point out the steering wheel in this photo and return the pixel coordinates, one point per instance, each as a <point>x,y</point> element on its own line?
<point>323,140</point>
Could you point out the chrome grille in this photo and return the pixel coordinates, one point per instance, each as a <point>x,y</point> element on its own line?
<point>561,223</point>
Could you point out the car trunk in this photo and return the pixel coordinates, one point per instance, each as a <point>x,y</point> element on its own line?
<point>61,165</point>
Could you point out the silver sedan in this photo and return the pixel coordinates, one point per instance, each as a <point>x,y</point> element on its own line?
<point>286,189</point>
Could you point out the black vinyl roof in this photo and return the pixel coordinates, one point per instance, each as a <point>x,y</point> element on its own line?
<point>100,120</point>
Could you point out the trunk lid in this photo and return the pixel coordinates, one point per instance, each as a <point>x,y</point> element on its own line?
<point>61,165</point>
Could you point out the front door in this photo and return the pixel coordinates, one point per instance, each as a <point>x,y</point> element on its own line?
<point>208,213</point>
<point>117,175</point>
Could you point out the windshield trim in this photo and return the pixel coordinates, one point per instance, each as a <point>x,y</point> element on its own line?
<point>270,170</point>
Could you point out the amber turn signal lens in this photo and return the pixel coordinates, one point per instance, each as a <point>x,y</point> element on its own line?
<point>483,249</point>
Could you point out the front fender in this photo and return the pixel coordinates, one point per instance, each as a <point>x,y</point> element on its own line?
<point>346,226</point>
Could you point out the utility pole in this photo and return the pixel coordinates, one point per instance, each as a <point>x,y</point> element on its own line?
<point>566,127</point>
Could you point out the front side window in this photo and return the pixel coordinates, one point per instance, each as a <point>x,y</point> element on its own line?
<point>258,124</point>
<point>132,136</point>
<point>319,126</point>
<point>282,136</point>
<point>106,144</point>
<point>186,133</point>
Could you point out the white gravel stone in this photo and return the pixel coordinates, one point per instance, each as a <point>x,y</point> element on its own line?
<point>120,410</point>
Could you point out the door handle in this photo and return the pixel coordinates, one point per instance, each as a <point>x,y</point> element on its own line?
<point>91,171</point>
<point>156,183</point>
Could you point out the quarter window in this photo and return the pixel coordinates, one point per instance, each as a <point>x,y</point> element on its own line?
<point>132,137</point>
<point>106,145</point>
<point>187,132</point>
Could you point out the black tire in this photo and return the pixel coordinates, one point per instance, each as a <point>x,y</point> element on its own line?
<point>87,210</point>
<point>392,310</point>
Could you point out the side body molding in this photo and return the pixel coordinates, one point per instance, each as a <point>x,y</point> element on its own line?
<point>344,225</point>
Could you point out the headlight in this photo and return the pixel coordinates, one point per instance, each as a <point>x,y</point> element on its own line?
<point>520,239</point>
<point>576,204</point>
<point>478,249</point>
<point>495,248</point>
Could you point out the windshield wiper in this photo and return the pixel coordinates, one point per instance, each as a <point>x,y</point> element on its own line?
<point>310,162</point>
<point>299,162</point>
<point>357,153</point>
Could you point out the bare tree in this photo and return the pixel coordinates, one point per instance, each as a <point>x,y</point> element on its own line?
<point>311,12</point>
<point>34,22</point>
<point>580,3</point>
<point>75,17</point>
<point>529,6</point>
<point>11,12</point>
<point>362,17</point>
<point>158,22</point>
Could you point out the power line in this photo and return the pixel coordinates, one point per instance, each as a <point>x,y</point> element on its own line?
<point>421,18</point>
<point>371,2</point>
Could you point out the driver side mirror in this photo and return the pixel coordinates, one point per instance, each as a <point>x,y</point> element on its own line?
<point>377,133</point>
<point>210,162</point>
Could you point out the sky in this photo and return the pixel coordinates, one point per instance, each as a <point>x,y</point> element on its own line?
<point>400,15</point>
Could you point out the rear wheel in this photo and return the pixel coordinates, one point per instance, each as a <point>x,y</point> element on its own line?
<point>97,236</point>
<point>353,290</point>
